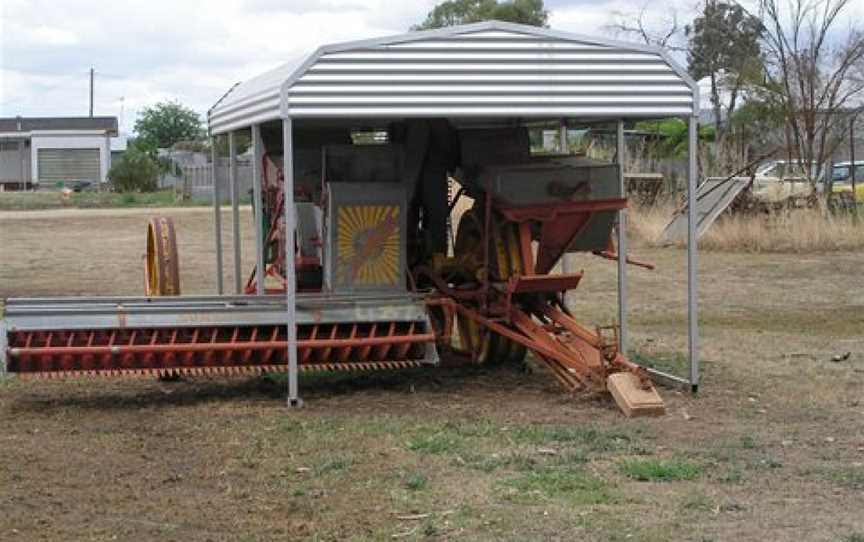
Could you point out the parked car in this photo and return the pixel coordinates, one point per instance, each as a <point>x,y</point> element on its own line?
<point>841,178</point>
<point>781,181</point>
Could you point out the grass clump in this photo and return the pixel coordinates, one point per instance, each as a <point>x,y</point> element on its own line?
<point>438,442</point>
<point>592,439</point>
<point>660,470</point>
<point>572,485</point>
<point>336,464</point>
<point>851,477</point>
<point>416,482</point>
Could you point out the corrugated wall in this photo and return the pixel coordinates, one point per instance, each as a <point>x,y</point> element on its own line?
<point>483,70</point>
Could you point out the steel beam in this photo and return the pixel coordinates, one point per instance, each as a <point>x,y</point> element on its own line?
<point>217,218</point>
<point>622,242</point>
<point>3,345</point>
<point>258,208</point>
<point>290,276</point>
<point>235,211</point>
<point>692,260</point>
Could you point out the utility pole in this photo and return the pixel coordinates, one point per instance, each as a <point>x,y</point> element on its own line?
<point>91,90</point>
<point>852,167</point>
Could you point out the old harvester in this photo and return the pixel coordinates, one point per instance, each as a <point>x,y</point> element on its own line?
<point>398,203</point>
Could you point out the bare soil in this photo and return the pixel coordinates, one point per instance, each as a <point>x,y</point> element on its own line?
<point>775,435</point>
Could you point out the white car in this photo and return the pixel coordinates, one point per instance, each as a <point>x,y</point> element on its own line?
<point>780,181</point>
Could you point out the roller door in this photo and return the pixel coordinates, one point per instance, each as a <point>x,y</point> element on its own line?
<point>65,165</point>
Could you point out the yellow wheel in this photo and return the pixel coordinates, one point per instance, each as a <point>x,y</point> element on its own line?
<point>161,264</point>
<point>486,346</point>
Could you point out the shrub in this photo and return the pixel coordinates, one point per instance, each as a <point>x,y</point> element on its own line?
<point>134,172</point>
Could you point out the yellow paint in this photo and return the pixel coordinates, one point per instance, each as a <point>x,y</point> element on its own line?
<point>368,245</point>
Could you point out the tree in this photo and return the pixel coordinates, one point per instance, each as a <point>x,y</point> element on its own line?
<point>662,30</point>
<point>455,12</point>
<point>164,124</point>
<point>672,136</point>
<point>134,172</point>
<point>724,47</point>
<point>814,73</point>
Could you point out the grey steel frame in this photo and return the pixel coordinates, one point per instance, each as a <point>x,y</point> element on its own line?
<point>692,256</point>
<point>217,218</point>
<point>620,149</point>
<point>235,210</point>
<point>258,208</point>
<point>290,278</point>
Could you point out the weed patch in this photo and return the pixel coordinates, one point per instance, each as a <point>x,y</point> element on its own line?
<point>442,441</point>
<point>591,439</point>
<point>572,485</point>
<point>659,470</point>
<point>852,477</point>
<point>416,482</point>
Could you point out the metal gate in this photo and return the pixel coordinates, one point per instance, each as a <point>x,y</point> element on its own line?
<point>65,165</point>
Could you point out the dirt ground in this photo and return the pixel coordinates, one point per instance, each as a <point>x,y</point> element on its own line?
<point>772,447</point>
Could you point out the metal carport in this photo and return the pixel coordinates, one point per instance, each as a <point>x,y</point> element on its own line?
<point>489,72</point>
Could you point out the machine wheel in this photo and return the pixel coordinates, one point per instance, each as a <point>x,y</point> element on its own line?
<point>486,346</point>
<point>161,264</point>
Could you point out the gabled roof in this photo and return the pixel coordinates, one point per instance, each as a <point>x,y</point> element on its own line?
<point>488,69</point>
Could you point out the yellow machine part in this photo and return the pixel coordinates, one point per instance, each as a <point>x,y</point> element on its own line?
<point>506,261</point>
<point>161,262</point>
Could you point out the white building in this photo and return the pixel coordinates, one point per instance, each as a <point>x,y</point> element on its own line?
<point>54,151</point>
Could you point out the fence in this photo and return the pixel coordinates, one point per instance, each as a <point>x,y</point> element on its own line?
<point>196,182</point>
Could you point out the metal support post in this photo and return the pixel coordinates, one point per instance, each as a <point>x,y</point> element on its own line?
<point>235,210</point>
<point>3,348</point>
<point>622,242</point>
<point>217,217</point>
<point>257,212</point>
<point>852,167</point>
<point>692,262</point>
<point>566,265</point>
<point>290,277</point>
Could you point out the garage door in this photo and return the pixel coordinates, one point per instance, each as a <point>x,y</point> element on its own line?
<point>65,165</point>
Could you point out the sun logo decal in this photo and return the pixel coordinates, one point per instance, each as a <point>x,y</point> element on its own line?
<point>368,245</point>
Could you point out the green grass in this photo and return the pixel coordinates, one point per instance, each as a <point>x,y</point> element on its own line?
<point>446,438</point>
<point>336,464</point>
<point>437,443</point>
<point>850,477</point>
<point>27,201</point>
<point>570,484</point>
<point>660,470</point>
<point>416,482</point>
<point>592,439</point>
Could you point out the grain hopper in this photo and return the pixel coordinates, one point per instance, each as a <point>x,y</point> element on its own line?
<point>357,152</point>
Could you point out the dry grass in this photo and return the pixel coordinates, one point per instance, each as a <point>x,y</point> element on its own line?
<point>796,231</point>
<point>766,451</point>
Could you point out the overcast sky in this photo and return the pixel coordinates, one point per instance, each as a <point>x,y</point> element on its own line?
<point>145,51</point>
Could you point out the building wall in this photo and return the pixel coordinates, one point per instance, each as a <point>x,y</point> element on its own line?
<point>12,162</point>
<point>71,140</point>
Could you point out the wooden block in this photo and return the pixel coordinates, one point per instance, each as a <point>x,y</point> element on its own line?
<point>631,398</point>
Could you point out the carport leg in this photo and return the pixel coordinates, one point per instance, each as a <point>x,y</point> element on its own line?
<point>290,278</point>
<point>235,210</point>
<point>258,211</point>
<point>692,262</point>
<point>217,217</point>
<point>622,242</point>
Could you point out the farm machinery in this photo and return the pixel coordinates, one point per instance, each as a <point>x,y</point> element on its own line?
<point>423,244</point>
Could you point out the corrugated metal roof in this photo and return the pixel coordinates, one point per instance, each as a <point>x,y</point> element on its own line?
<point>490,69</point>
